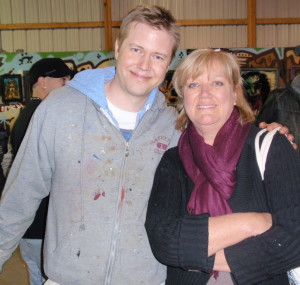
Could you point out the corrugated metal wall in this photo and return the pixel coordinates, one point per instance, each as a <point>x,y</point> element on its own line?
<point>278,35</point>
<point>51,11</point>
<point>199,37</point>
<point>90,39</point>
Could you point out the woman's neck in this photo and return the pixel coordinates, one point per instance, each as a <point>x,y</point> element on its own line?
<point>208,134</point>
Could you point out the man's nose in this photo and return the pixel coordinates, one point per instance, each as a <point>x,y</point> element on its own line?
<point>145,62</point>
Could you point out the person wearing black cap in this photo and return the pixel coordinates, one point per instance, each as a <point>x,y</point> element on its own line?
<point>45,75</point>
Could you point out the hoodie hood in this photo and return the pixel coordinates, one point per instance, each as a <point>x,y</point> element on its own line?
<point>91,83</point>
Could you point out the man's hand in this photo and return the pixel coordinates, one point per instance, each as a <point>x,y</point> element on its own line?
<point>283,130</point>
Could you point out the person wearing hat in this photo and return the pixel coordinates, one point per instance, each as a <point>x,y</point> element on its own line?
<point>45,75</point>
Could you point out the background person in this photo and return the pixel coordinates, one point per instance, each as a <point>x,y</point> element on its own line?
<point>209,208</point>
<point>45,75</point>
<point>283,106</point>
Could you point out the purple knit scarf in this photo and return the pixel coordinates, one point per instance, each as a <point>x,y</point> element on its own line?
<point>213,168</point>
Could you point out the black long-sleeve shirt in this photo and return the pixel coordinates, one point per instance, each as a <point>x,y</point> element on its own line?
<point>180,240</point>
<point>20,127</point>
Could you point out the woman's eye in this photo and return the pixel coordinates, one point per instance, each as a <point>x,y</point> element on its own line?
<point>158,57</point>
<point>193,85</point>
<point>218,83</point>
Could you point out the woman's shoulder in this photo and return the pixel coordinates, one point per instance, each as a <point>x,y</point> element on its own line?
<point>255,130</point>
<point>171,160</point>
<point>171,154</point>
<point>279,142</point>
<point>249,142</point>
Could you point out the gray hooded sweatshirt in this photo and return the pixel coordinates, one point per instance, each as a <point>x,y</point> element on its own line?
<point>99,185</point>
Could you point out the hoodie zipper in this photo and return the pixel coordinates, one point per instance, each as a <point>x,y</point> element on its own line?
<point>116,233</point>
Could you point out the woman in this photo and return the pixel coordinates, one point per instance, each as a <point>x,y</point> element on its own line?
<point>209,213</point>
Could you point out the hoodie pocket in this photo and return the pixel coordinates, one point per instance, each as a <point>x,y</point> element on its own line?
<point>69,246</point>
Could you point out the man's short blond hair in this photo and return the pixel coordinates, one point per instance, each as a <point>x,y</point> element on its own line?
<point>154,16</point>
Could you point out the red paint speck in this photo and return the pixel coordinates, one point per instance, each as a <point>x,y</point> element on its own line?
<point>97,196</point>
<point>123,194</point>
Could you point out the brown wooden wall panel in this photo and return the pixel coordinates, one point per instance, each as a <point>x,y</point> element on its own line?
<point>78,25</point>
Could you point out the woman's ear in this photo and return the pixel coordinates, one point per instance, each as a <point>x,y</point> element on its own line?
<point>235,97</point>
<point>116,49</point>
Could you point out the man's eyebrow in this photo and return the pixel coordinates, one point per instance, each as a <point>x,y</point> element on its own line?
<point>135,45</point>
<point>155,52</point>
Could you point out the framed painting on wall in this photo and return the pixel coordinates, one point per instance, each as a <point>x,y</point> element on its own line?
<point>11,88</point>
<point>258,82</point>
<point>167,88</point>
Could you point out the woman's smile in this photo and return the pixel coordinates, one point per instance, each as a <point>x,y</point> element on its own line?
<point>206,106</point>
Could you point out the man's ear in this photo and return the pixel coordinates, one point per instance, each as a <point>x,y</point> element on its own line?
<point>41,82</point>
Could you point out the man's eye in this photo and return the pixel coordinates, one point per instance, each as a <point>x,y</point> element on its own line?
<point>135,50</point>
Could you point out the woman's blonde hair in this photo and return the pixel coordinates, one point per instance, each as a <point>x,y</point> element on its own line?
<point>194,65</point>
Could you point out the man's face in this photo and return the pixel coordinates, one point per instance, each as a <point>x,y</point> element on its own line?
<point>143,60</point>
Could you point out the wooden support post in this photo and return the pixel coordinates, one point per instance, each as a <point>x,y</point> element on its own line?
<point>108,25</point>
<point>251,25</point>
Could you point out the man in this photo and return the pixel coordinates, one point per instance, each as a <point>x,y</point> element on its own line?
<point>94,145</point>
<point>97,142</point>
<point>283,106</point>
<point>45,75</point>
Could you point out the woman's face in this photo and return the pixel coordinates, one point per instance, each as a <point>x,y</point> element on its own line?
<point>208,100</point>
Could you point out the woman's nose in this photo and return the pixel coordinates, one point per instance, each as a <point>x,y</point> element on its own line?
<point>204,90</point>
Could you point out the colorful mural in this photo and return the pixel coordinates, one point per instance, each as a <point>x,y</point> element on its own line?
<point>279,64</point>
<point>17,63</point>
<point>283,58</point>
<point>262,69</point>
